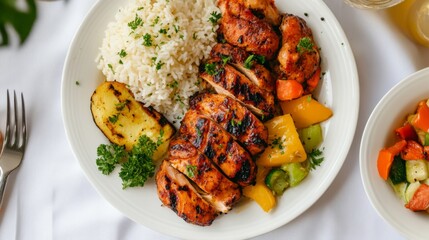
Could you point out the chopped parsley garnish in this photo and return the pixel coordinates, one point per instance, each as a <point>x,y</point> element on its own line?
<point>210,68</point>
<point>198,132</point>
<point>121,105</point>
<point>191,170</point>
<point>159,65</point>
<point>155,21</point>
<point>225,59</point>
<point>135,23</point>
<point>305,45</point>
<point>176,28</point>
<point>174,84</point>
<point>114,118</point>
<point>163,31</point>
<point>77,83</point>
<point>111,68</point>
<point>235,123</point>
<point>277,142</point>
<point>248,63</point>
<point>147,40</point>
<point>315,158</point>
<point>122,53</point>
<point>214,17</point>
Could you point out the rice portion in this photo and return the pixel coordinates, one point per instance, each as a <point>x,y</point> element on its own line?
<point>155,47</point>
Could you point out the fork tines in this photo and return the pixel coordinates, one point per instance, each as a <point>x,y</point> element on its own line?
<point>16,131</point>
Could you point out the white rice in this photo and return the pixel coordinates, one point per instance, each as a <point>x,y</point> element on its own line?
<point>181,36</point>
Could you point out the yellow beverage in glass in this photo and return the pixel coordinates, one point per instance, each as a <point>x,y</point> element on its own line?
<point>412,16</point>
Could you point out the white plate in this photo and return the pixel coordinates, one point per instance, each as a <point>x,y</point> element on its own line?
<point>339,90</point>
<point>389,114</point>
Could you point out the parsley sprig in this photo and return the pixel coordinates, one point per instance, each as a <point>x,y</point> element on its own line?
<point>305,44</point>
<point>214,17</point>
<point>248,63</point>
<point>315,158</point>
<point>136,165</point>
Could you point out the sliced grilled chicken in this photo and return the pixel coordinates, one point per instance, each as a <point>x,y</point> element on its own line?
<point>265,9</point>
<point>176,192</point>
<point>219,146</point>
<point>234,118</point>
<point>241,28</point>
<point>220,191</point>
<point>299,55</point>
<point>245,63</point>
<point>226,80</point>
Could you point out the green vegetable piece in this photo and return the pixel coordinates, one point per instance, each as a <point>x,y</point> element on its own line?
<point>397,172</point>
<point>426,143</point>
<point>416,170</point>
<point>400,189</point>
<point>277,180</point>
<point>411,189</point>
<point>296,172</point>
<point>311,137</point>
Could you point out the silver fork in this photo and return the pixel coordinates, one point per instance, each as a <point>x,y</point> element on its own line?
<point>15,139</point>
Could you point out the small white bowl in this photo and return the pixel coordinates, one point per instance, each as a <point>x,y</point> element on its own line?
<point>389,114</point>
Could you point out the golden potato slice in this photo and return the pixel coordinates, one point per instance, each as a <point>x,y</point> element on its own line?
<point>123,119</point>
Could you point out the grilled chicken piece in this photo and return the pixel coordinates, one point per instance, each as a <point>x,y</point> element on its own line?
<point>265,9</point>
<point>239,58</point>
<point>234,118</point>
<point>226,80</point>
<point>176,192</point>
<point>241,28</point>
<point>220,191</point>
<point>299,55</point>
<point>219,146</point>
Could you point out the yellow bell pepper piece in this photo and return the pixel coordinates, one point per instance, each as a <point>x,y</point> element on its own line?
<point>284,143</point>
<point>262,195</point>
<point>306,111</point>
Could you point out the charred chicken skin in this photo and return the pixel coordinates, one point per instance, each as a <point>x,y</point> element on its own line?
<point>299,55</point>
<point>228,81</point>
<point>241,28</point>
<point>236,119</point>
<point>219,146</point>
<point>218,190</point>
<point>264,9</point>
<point>239,58</point>
<point>176,192</point>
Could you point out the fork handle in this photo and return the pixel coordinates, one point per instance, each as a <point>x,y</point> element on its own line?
<point>3,180</point>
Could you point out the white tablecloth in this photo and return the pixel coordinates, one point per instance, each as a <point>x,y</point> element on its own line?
<point>50,198</point>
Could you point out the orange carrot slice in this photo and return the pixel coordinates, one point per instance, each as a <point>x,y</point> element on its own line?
<point>384,162</point>
<point>288,89</point>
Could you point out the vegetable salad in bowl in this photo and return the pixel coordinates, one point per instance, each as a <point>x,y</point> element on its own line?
<point>405,164</point>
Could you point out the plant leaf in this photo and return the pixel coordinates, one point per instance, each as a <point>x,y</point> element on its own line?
<point>20,20</point>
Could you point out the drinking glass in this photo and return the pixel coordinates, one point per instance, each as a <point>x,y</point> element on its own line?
<point>372,4</point>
